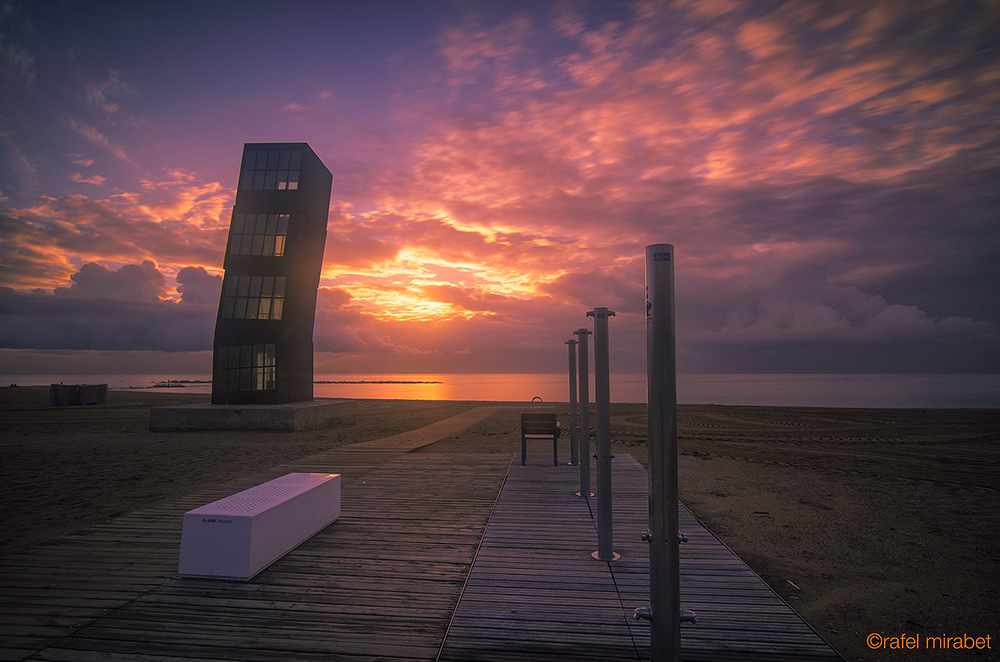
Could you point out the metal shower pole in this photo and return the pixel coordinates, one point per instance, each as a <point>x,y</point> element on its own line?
<point>573,414</point>
<point>602,405</point>
<point>584,414</point>
<point>664,610</point>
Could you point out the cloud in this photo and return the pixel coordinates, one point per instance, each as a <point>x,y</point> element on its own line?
<point>173,222</point>
<point>120,309</point>
<point>28,260</point>
<point>38,320</point>
<point>18,164</point>
<point>343,328</point>
<point>96,180</point>
<point>646,99</point>
<point>100,94</point>
<point>752,147</point>
<point>826,172</point>
<point>588,288</point>
<point>760,39</point>
<point>96,137</point>
<point>196,285</point>
<point>16,63</point>
<point>141,282</point>
<point>839,316</point>
<point>71,362</point>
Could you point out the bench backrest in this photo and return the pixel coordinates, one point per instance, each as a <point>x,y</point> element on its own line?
<point>538,424</point>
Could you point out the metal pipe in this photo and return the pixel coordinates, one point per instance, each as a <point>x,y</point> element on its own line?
<point>584,433</point>
<point>602,405</point>
<point>661,379</point>
<point>573,412</point>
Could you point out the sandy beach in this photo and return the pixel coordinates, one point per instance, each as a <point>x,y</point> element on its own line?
<point>863,520</point>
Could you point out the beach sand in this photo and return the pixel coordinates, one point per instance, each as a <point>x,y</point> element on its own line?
<point>863,520</point>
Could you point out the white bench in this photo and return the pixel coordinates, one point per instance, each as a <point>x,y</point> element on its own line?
<point>240,535</point>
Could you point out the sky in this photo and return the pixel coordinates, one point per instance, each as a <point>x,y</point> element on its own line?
<point>827,172</point>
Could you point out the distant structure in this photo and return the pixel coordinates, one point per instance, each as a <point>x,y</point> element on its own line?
<point>263,349</point>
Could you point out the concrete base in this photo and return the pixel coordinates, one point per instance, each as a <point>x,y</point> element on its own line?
<point>290,416</point>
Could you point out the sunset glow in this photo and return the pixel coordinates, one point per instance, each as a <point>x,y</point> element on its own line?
<point>826,171</point>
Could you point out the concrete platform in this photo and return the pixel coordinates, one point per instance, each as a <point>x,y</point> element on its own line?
<point>289,416</point>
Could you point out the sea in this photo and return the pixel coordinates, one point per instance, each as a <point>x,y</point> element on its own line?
<point>787,390</point>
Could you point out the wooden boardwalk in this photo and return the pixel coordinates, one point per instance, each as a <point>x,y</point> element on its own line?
<point>535,593</point>
<point>384,581</point>
<point>380,583</point>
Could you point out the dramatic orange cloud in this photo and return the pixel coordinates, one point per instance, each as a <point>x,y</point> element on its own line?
<point>174,223</point>
<point>825,170</point>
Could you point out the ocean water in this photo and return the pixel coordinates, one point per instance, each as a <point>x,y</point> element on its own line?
<point>793,390</point>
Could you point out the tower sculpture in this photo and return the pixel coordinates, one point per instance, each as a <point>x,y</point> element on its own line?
<point>263,348</point>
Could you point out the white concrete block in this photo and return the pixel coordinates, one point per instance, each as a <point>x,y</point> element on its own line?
<point>240,535</point>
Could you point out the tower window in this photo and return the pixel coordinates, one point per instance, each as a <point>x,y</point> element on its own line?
<point>253,297</point>
<point>258,234</point>
<point>271,170</point>
<point>245,368</point>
